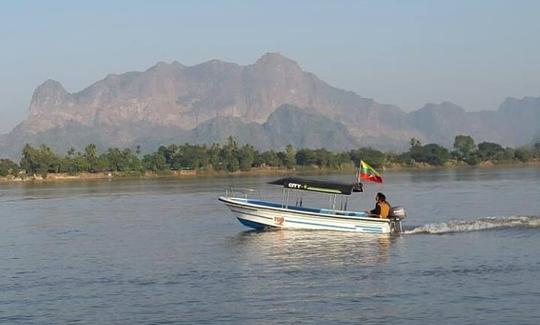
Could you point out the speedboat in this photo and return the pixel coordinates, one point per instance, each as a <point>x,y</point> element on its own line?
<point>260,214</point>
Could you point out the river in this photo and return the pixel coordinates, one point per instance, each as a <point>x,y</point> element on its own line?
<point>159,251</point>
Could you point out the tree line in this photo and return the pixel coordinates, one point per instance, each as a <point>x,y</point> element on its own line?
<point>232,157</point>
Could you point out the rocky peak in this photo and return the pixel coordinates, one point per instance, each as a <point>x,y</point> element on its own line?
<point>523,115</point>
<point>49,93</point>
<point>213,66</point>
<point>512,104</point>
<point>164,66</point>
<point>277,61</point>
<point>443,108</point>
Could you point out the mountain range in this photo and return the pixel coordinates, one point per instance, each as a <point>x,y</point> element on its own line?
<point>269,104</point>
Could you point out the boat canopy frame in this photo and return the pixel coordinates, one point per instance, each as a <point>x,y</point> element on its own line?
<point>331,188</point>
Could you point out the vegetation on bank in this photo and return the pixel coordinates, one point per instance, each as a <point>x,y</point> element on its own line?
<point>231,157</point>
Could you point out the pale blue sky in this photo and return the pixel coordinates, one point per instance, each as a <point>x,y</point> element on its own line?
<point>407,53</point>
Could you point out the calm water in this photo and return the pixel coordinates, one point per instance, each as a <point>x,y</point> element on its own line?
<point>166,251</point>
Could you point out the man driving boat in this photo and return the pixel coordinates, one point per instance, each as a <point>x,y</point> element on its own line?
<point>382,208</point>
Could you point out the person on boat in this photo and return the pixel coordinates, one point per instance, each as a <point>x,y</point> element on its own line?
<point>382,208</point>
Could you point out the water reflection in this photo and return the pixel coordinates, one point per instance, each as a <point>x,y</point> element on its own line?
<point>298,248</point>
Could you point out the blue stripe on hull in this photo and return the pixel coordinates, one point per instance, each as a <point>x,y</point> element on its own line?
<point>252,224</point>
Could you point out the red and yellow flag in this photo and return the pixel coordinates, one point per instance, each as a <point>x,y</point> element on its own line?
<point>369,174</point>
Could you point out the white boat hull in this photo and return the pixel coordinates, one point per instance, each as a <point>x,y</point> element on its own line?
<point>258,216</point>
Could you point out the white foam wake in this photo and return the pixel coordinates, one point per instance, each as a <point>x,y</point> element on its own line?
<point>477,225</point>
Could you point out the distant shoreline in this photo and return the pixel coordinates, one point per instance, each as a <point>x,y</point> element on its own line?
<point>254,172</point>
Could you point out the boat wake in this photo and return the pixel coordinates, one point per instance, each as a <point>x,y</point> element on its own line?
<point>477,225</point>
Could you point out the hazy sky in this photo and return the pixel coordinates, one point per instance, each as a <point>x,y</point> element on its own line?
<point>407,53</point>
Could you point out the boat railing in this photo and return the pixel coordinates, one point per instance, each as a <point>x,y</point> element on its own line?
<point>244,191</point>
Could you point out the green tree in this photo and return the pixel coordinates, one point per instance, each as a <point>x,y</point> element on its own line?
<point>536,150</point>
<point>120,160</point>
<point>191,156</point>
<point>8,167</point>
<point>113,159</point>
<point>80,162</point>
<point>230,155</point>
<point>522,154</point>
<point>507,155</point>
<point>306,157</point>
<point>40,161</point>
<point>432,154</point>
<point>290,156</point>
<point>214,156</point>
<point>232,164</point>
<point>154,162</point>
<point>71,152</point>
<point>269,158</point>
<point>73,163</point>
<point>91,157</point>
<point>247,157</point>
<point>414,142</point>
<point>324,158</point>
<point>372,156</point>
<point>30,161</point>
<point>464,145</point>
<point>343,158</point>
<point>490,151</point>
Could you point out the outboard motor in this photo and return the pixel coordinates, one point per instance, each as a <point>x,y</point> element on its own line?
<point>397,214</point>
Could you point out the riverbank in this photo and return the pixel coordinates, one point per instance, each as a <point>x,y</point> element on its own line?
<point>181,174</point>
<point>258,171</point>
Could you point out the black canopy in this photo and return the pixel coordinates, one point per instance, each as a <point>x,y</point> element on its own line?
<point>318,186</point>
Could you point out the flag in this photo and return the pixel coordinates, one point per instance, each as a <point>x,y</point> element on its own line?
<point>369,174</point>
